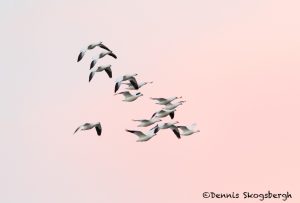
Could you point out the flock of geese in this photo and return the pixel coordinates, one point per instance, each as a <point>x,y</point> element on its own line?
<point>169,106</point>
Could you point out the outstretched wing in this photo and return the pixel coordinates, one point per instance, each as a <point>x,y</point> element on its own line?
<point>77,129</point>
<point>104,47</point>
<point>112,55</point>
<point>141,120</point>
<point>175,131</point>
<point>138,133</point>
<point>159,99</point>
<point>134,83</point>
<point>108,71</point>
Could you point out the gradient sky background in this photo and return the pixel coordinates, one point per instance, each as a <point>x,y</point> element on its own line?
<point>237,63</point>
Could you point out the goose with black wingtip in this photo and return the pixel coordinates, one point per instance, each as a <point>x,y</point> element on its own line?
<point>90,47</point>
<point>88,126</point>
<point>143,136</point>
<point>130,77</point>
<point>107,69</point>
<point>128,97</point>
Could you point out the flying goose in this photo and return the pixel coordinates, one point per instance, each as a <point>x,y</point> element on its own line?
<point>129,77</point>
<point>139,84</point>
<point>107,69</point>
<point>170,125</point>
<point>91,46</point>
<point>171,106</point>
<point>143,136</point>
<point>88,126</point>
<point>147,122</point>
<point>164,113</point>
<point>101,55</point>
<point>188,130</point>
<point>128,97</point>
<point>164,101</point>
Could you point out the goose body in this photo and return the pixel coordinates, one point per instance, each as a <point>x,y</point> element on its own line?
<point>88,126</point>
<point>89,47</point>
<point>188,130</point>
<point>101,55</point>
<point>171,106</point>
<point>129,77</point>
<point>143,136</point>
<point>164,101</point>
<point>107,69</point>
<point>128,97</point>
<point>147,122</point>
<point>164,113</point>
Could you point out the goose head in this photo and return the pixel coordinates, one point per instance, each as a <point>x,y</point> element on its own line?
<point>139,94</point>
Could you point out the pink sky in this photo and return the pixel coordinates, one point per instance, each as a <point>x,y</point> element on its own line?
<point>237,63</point>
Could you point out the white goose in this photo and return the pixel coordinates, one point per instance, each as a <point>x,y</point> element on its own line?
<point>171,106</point>
<point>143,136</point>
<point>164,113</point>
<point>107,69</point>
<point>188,130</point>
<point>91,46</point>
<point>147,122</point>
<point>101,55</point>
<point>164,101</point>
<point>170,125</point>
<point>139,84</point>
<point>128,97</point>
<point>88,126</point>
<point>129,77</point>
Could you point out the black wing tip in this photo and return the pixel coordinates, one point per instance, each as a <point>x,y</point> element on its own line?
<point>109,73</point>
<point>99,131</point>
<point>176,132</point>
<point>172,114</point>
<point>113,55</point>
<point>116,87</point>
<point>91,76</point>
<point>92,64</point>
<point>156,129</point>
<point>134,84</point>
<point>130,131</point>
<point>79,57</point>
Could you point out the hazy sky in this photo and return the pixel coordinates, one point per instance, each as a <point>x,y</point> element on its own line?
<point>237,63</point>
